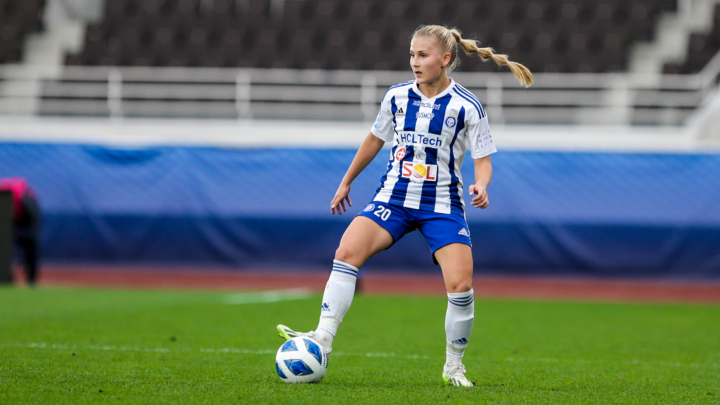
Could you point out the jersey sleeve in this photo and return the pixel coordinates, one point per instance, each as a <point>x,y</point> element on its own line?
<point>479,138</point>
<point>383,127</point>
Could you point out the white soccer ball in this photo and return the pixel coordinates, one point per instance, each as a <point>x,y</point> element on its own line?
<point>301,360</point>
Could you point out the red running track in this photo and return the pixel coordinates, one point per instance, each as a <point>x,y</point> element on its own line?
<point>545,288</point>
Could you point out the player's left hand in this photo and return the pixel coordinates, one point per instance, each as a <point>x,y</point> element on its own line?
<point>480,200</point>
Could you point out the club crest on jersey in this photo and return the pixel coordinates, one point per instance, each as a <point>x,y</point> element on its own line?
<point>400,154</point>
<point>369,207</point>
<point>419,171</point>
<point>450,122</point>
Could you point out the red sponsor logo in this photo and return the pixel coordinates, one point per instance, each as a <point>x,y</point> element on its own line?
<point>400,154</point>
<point>419,171</point>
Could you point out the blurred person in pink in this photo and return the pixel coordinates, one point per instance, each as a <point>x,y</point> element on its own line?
<point>26,223</point>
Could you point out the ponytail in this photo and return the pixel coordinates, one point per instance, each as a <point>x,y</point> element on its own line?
<point>449,39</point>
<point>470,46</point>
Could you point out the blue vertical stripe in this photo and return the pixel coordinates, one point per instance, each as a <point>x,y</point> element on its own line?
<point>429,190</point>
<point>412,109</point>
<point>436,123</point>
<point>455,197</point>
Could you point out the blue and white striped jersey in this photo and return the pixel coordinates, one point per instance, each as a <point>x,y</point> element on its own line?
<point>430,137</point>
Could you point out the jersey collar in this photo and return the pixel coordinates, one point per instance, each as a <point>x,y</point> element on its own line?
<point>444,92</point>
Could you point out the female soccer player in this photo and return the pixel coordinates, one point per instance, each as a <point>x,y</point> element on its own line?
<point>431,122</point>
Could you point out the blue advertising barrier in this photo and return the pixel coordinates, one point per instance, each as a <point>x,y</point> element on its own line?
<point>598,214</point>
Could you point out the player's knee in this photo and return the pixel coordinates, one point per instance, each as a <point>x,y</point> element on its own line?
<point>459,286</point>
<point>345,254</point>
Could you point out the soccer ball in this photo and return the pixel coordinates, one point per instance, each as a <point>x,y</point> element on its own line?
<point>301,360</point>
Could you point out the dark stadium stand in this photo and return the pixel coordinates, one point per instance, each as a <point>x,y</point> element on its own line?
<point>701,48</point>
<point>17,19</point>
<point>545,35</point>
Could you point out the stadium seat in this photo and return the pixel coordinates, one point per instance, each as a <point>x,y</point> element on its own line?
<point>17,20</point>
<point>546,35</point>
<point>701,48</point>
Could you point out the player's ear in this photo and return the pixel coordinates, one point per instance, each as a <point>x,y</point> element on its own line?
<point>446,59</point>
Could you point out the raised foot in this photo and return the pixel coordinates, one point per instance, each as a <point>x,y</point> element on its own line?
<point>286,334</point>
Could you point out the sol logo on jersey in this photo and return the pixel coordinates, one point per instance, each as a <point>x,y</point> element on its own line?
<point>400,154</point>
<point>419,171</point>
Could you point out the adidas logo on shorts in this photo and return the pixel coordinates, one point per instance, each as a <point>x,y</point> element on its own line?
<point>464,232</point>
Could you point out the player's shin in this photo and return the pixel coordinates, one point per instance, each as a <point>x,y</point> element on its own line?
<point>459,324</point>
<point>337,299</point>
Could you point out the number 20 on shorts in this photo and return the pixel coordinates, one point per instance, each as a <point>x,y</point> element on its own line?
<point>383,213</point>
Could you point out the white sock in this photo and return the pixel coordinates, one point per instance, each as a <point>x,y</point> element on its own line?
<point>459,324</point>
<point>338,297</point>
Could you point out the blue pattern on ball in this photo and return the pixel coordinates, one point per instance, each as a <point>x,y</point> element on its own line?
<point>280,373</point>
<point>298,367</point>
<point>289,346</point>
<point>314,349</point>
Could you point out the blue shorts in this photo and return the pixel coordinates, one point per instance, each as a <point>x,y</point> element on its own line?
<point>438,229</point>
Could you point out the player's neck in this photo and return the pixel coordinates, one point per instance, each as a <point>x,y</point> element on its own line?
<point>432,89</point>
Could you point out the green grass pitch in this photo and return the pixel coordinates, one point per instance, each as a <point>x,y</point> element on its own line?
<point>79,346</point>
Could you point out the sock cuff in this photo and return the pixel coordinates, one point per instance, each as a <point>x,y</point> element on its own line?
<point>344,268</point>
<point>329,325</point>
<point>462,299</point>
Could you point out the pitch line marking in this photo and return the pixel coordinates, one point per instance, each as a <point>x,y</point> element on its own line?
<point>387,355</point>
<point>201,350</point>
<point>264,297</point>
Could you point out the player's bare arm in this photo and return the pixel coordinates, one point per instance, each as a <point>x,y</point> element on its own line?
<point>483,175</point>
<point>367,152</point>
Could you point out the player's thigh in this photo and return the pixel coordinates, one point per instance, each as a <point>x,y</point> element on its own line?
<point>362,239</point>
<point>456,262</point>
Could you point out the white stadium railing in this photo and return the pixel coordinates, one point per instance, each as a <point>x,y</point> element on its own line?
<point>81,91</point>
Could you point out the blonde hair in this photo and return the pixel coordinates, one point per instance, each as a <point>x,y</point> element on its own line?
<point>450,38</point>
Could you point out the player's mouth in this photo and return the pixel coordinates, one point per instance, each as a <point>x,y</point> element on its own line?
<point>418,73</point>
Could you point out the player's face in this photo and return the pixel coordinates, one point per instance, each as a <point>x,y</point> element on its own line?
<point>427,60</point>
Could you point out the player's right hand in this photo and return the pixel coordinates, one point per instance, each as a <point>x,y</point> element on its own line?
<point>481,197</point>
<point>341,195</point>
